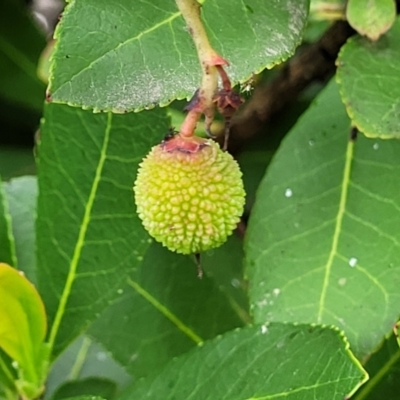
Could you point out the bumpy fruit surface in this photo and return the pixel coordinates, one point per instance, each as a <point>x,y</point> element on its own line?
<point>189,194</point>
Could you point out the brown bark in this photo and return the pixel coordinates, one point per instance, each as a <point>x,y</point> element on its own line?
<point>315,62</point>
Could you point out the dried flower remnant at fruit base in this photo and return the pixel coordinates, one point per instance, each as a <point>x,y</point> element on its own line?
<point>189,194</point>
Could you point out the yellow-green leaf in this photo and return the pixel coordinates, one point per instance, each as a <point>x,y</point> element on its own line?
<point>371,18</point>
<point>23,321</point>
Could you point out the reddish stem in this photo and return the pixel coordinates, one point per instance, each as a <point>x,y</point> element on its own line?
<point>209,59</point>
<point>226,82</point>
<point>189,124</point>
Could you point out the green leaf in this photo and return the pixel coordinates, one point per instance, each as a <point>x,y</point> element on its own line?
<point>89,386</point>
<point>323,243</point>
<point>384,370</point>
<point>165,311</point>
<point>259,363</point>
<point>224,266</point>
<point>20,48</point>
<point>372,18</point>
<point>141,54</point>
<point>396,332</point>
<point>8,377</point>
<point>21,194</point>
<point>84,359</point>
<point>88,234</point>
<point>7,245</point>
<point>23,326</point>
<point>86,398</point>
<point>368,74</point>
<point>253,164</point>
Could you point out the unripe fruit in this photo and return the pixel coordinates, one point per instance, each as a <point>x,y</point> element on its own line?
<point>189,194</point>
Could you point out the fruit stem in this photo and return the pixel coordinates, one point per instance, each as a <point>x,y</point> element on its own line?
<point>189,124</point>
<point>226,82</point>
<point>209,60</point>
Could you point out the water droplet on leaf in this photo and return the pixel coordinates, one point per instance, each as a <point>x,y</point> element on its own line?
<point>235,283</point>
<point>276,291</point>
<point>342,281</point>
<point>101,356</point>
<point>353,261</point>
<point>264,329</point>
<point>288,193</point>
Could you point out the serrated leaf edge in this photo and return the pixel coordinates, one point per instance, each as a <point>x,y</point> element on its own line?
<point>365,32</point>
<point>347,103</point>
<point>178,96</point>
<point>365,391</point>
<point>81,237</point>
<point>334,328</point>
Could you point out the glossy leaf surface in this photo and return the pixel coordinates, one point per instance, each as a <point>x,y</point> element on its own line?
<point>88,230</point>
<point>259,363</point>
<point>368,74</point>
<point>121,55</point>
<point>323,243</point>
<point>23,322</point>
<point>166,310</point>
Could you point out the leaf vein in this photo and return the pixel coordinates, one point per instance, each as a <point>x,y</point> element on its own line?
<point>122,44</point>
<point>165,311</point>
<point>338,227</point>
<point>81,237</point>
<point>373,227</point>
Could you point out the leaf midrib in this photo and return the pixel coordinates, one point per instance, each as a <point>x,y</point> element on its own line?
<point>81,237</point>
<point>338,226</point>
